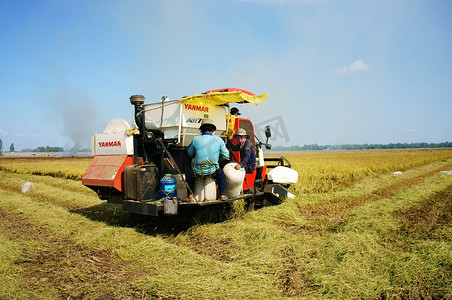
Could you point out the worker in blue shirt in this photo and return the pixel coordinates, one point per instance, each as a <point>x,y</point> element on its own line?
<point>208,150</point>
<point>247,153</point>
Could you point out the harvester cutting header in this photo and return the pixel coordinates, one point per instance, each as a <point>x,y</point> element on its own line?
<point>190,152</point>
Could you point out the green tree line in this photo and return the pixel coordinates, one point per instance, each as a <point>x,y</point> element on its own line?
<point>44,149</point>
<point>365,146</point>
<point>39,149</point>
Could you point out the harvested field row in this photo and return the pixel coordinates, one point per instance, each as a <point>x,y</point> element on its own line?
<point>65,193</point>
<point>336,210</point>
<point>49,266</point>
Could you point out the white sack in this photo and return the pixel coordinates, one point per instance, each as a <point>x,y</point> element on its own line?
<point>234,180</point>
<point>205,189</point>
<point>27,187</point>
<point>283,175</point>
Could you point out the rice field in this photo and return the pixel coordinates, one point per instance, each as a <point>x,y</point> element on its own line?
<point>319,171</point>
<point>325,170</point>
<point>64,167</point>
<point>354,230</point>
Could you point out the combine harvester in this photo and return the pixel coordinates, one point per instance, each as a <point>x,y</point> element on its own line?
<point>141,164</point>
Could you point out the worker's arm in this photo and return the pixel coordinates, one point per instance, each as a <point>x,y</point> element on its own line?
<point>246,158</point>
<point>232,146</point>
<point>224,153</point>
<point>191,149</point>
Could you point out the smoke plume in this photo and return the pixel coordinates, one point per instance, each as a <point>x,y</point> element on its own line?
<point>77,120</point>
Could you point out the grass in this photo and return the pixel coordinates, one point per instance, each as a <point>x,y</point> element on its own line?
<point>377,236</point>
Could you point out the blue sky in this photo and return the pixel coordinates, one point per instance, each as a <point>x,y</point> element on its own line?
<point>336,71</point>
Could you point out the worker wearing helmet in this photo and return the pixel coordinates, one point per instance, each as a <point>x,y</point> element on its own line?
<point>247,153</point>
<point>207,150</point>
<point>234,113</point>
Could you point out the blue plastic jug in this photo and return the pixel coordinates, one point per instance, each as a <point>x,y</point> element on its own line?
<point>168,187</point>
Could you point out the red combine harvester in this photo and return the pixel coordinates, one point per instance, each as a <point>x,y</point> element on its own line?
<point>132,158</point>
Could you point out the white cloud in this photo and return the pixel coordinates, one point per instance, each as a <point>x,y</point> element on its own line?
<point>20,134</point>
<point>3,133</point>
<point>356,66</point>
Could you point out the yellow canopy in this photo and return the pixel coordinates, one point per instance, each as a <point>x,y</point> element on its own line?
<point>220,98</point>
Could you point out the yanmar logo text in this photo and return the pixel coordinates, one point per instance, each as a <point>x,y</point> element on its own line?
<point>196,107</point>
<point>110,144</point>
